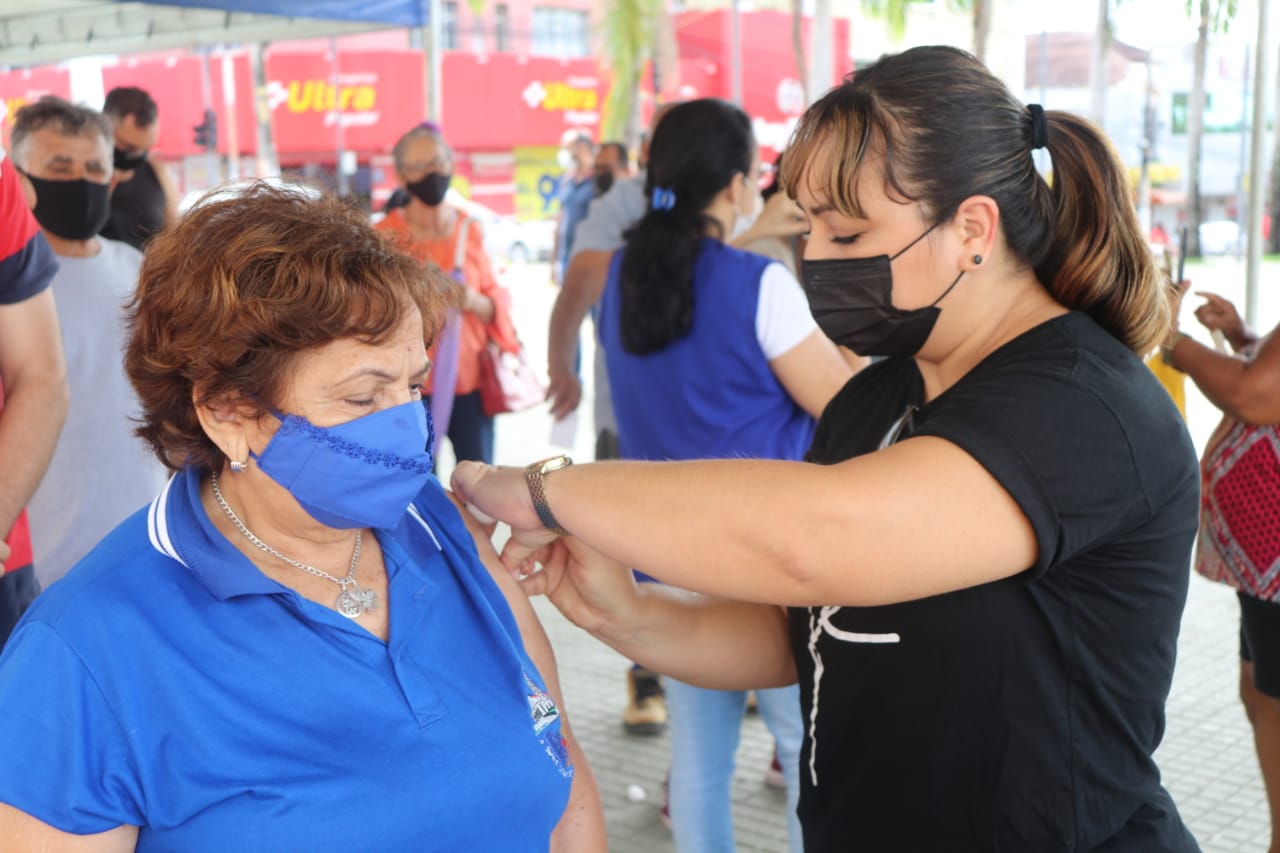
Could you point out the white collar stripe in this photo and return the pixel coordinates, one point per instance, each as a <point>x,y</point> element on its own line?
<point>413,510</point>
<point>158,523</point>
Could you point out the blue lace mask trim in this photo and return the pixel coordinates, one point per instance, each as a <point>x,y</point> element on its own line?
<point>350,449</point>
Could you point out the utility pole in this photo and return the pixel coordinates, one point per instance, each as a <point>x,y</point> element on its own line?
<point>1256,188</point>
<point>735,54</point>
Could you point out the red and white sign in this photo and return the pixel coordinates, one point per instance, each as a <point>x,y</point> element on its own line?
<point>498,102</point>
<point>377,97</point>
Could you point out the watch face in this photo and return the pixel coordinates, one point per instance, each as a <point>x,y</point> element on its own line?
<point>553,463</point>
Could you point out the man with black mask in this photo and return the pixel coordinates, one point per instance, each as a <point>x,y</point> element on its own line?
<point>145,198</point>
<point>613,163</point>
<point>100,472</point>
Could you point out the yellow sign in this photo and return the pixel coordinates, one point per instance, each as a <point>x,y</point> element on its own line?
<point>320,96</point>
<point>537,182</point>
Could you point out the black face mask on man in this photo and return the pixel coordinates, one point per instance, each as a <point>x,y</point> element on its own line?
<point>125,162</point>
<point>603,181</point>
<point>72,210</point>
<point>852,302</point>
<point>431,189</point>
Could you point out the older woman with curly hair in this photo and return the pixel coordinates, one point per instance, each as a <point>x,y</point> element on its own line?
<point>301,643</point>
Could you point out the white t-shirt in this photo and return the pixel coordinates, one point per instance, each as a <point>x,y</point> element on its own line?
<point>100,472</point>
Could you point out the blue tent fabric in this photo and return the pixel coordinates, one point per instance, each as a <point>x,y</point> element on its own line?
<point>404,13</point>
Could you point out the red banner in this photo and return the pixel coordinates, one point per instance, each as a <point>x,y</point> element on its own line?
<point>22,86</point>
<point>497,102</point>
<point>377,97</point>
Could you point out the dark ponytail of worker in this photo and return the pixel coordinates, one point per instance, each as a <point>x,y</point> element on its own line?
<point>698,148</point>
<point>948,130</point>
<point>1098,259</point>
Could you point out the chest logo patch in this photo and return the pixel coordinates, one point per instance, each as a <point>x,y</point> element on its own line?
<point>541,707</point>
<point>543,710</point>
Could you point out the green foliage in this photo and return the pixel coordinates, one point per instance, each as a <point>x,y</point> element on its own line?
<point>1220,12</point>
<point>894,13</point>
<point>627,34</point>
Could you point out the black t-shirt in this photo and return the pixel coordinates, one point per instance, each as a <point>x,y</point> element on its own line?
<point>1019,715</point>
<point>137,208</point>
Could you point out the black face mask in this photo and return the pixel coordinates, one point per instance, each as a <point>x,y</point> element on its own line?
<point>72,210</point>
<point>127,162</point>
<point>852,302</point>
<point>431,189</point>
<point>603,181</point>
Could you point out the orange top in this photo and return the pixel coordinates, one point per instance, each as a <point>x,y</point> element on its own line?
<point>477,275</point>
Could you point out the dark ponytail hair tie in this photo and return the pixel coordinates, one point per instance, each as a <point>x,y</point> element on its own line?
<point>1039,126</point>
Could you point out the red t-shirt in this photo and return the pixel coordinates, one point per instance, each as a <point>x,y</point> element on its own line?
<point>27,266</point>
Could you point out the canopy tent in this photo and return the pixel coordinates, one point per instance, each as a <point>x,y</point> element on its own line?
<point>41,31</point>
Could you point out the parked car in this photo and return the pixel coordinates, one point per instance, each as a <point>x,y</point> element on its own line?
<point>507,237</point>
<point>1219,237</point>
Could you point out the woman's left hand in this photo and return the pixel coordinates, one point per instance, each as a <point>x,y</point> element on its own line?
<point>593,591</point>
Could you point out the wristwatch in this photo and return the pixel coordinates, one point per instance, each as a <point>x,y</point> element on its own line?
<point>533,474</point>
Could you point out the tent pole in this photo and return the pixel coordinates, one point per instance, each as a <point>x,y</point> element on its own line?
<point>432,36</point>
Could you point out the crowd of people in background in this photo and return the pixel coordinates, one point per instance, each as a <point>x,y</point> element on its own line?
<point>815,379</point>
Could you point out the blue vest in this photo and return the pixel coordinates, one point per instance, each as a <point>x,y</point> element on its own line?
<point>710,394</point>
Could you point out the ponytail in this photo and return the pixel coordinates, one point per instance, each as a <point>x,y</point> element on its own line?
<point>1098,260</point>
<point>657,276</point>
<point>698,148</point>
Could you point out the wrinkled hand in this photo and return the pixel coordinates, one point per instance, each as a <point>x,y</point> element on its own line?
<point>1219,314</point>
<point>501,494</point>
<point>780,217</point>
<point>564,391</point>
<point>593,591</point>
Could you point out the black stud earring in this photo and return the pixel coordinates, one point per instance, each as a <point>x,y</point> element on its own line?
<point>977,260</point>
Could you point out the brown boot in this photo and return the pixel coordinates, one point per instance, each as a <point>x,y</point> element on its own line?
<point>646,711</point>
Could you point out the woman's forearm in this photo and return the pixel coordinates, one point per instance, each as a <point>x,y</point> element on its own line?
<point>701,640</point>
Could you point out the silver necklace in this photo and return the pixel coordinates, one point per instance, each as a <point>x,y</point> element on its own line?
<point>352,602</point>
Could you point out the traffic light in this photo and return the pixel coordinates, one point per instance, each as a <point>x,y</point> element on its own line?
<point>207,131</point>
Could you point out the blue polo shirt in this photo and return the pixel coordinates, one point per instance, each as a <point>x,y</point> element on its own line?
<point>166,682</point>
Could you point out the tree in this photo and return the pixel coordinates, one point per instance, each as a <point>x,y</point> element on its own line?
<point>633,33</point>
<point>894,13</point>
<point>1212,16</point>
<point>1099,69</point>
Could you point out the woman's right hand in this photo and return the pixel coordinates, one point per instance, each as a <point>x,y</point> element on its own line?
<point>1218,314</point>
<point>594,592</point>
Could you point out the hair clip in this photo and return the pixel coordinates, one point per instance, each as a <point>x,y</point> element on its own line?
<point>663,199</point>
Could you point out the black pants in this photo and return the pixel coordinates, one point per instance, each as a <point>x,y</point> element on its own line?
<point>17,590</point>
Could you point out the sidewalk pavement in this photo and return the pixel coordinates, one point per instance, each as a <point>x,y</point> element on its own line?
<point>1207,757</point>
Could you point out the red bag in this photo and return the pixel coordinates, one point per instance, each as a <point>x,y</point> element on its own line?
<point>508,382</point>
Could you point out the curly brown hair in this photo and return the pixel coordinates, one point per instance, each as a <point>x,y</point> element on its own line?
<point>242,284</point>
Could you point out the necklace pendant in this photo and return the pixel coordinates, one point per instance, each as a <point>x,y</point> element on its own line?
<point>356,602</point>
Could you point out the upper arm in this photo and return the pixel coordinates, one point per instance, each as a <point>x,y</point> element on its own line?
<point>585,278</point>
<point>170,189</point>
<point>812,372</point>
<point>809,366</point>
<point>532,634</point>
<point>22,832</point>
<point>31,345</point>
<point>926,517</point>
<point>1257,398</point>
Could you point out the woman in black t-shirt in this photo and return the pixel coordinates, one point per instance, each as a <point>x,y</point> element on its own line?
<point>984,562</point>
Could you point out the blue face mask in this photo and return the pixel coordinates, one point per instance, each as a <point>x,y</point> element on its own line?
<point>363,473</point>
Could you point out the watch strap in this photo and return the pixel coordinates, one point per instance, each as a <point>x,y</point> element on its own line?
<point>533,474</point>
